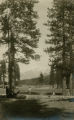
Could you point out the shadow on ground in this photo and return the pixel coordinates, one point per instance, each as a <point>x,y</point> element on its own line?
<point>27,108</point>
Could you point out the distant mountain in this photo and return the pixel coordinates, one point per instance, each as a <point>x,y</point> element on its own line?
<point>33,74</point>
<point>34,81</point>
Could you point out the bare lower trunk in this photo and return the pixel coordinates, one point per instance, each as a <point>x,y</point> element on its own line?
<point>3,81</point>
<point>70,84</point>
<point>11,63</point>
<point>64,86</point>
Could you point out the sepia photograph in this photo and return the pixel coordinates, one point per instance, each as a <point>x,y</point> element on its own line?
<point>36,59</point>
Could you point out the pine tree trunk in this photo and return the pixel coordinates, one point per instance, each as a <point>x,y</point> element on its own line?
<point>71,56</point>
<point>11,63</point>
<point>70,84</point>
<point>3,80</point>
<point>64,43</point>
<point>64,86</point>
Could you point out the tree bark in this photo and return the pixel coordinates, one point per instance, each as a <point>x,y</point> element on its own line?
<point>11,62</point>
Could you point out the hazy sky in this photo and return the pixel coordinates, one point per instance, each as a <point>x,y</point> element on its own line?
<point>42,65</point>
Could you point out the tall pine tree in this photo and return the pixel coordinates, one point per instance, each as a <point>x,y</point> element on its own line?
<point>61,38</point>
<point>18,31</point>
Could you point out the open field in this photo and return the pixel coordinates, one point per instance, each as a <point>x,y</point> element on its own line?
<point>38,90</point>
<point>43,89</point>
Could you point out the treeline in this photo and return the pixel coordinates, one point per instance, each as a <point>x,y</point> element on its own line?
<point>35,81</point>
<point>4,73</point>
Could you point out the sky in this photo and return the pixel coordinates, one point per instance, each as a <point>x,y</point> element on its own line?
<point>36,67</point>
